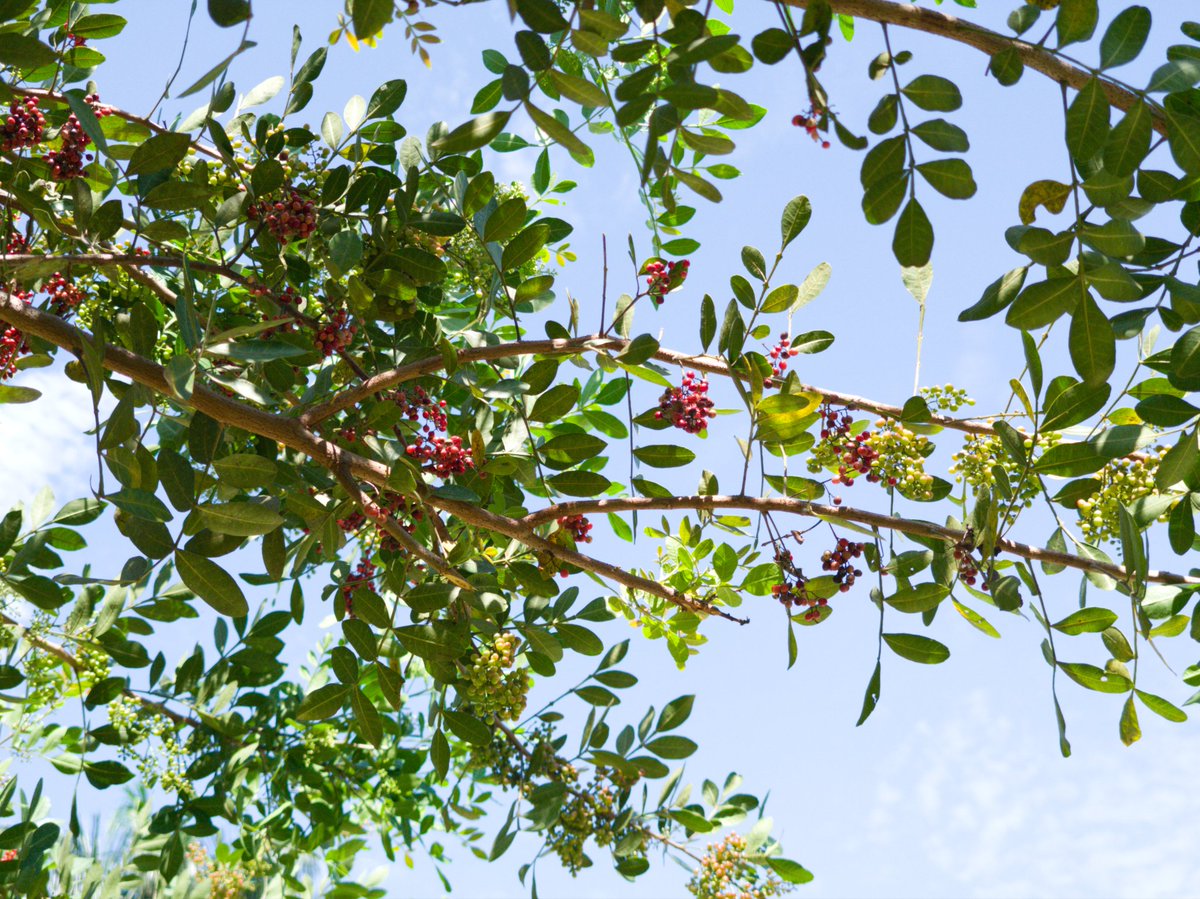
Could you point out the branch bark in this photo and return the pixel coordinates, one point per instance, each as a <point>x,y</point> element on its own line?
<point>1039,59</point>
<point>292,434</point>
<point>840,513</point>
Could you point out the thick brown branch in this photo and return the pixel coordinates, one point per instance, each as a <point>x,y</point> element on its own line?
<point>1039,59</point>
<point>290,433</point>
<point>842,513</point>
<point>124,260</point>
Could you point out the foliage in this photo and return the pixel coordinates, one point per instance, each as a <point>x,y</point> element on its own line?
<point>313,362</point>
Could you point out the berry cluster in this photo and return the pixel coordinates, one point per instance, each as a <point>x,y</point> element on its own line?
<point>64,295</point>
<point>1122,483</point>
<point>392,505</point>
<point>292,218</point>
<point>840,560</point>
<point>777,357</point>
<point>363,575</point>
<point>12,346</point>
<point>662,278</point>
<point>578,526</point>
<point>725,872</point>
<point>849,454</point>
<point>496,690</point>
<point>964,559</point>
<point>287,303</point>
<point>687,406</point>
<point>946,398</point>
<point>67,162</point>
<point>9,855</point>
<point>810,121</point>
<point>793,589</point>
<point>336,334</point>
<point>418,405</point>
<point>24,125</point>
<point>444,456</point>
<point>223,882</point>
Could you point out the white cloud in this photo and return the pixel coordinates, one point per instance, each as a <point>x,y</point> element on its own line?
<point>989,814</point>
<point>44,442</point>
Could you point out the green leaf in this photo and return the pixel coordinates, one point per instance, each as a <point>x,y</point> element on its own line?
<point>788,870</point>
<point>578,89</point>
<point>366,716</point>
<point>672,747</point>
<point>473,134</point>
<point>248,519</point>
<point>1043,303</point>
<point>1087,121</point>
<point>1184,371</point>
<point>664,455</point>
<point>796,215</point>
<point>781,298</point>
<point>158,154</point>
<point>323,702</point>
<point>211,583</point>
<point>106,773</point>
<point>1131,732</point>
<point>369,16</point>
<point>674,713</point>
<point>542,16</point>
<point>227,13</point>
<point>578,638</point>
<point>916,648</point>
<point>555,403</point>
<point>1092,343</point>
<point>913,241</point>
<point>1076,20</point>
<point>1094,678</point>
<point>1086,621</point>
<point>525,246</point>
<point>1162,707</point>
<point>467,727</point>
<point>246,470</point>
<point>1129,142</point>
<point>17,393</point>
<point>1070,460</point>
<point>140,504</point>
<point>24,51</point>
<point>920,598</point>
<point>933,93</point>
<point>1125,36</point>
<point>943,136</point>
<point>950,177</point>
<point>580,483</point>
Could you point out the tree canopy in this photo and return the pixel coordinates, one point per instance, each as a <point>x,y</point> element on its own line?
<point>336,371</point>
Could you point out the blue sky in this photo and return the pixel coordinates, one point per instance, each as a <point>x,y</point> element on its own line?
<point>955,786</point>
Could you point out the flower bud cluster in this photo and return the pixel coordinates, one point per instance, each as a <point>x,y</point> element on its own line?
<point>900,457</point>
<point>494,688</point>
<point>687,406</point>
<point>1122,483</point>
<point>945,398</point>
<point>725,872</point>
<point>588,812</point>
<point>164,758</point>
<point>224,882</point>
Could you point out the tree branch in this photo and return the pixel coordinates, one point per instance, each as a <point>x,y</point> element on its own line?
<point>931,21</point>
<point>595,343</point>
<point>840,513</point>
<point>293,435</point>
